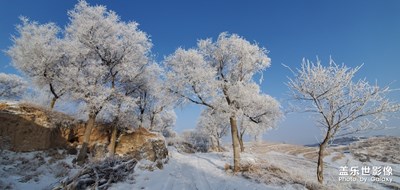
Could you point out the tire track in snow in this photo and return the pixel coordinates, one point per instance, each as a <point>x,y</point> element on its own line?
<point>168,185</point>
<point>181,178</point>
<point>205,185</point>
<point>191,172</point>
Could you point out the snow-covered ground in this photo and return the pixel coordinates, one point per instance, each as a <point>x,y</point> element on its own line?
<point>278,166</point>
<point>299,163</point>
<point>34,170</point>
<point>271,166</point>
<point>191,171</point>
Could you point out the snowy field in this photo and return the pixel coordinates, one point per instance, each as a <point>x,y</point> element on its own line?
<point>298,164</point>
<point>281,166</point>
<point>191,171</point>
<point>269,166</point>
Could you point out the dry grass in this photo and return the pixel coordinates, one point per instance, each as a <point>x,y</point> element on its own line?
<point>383,149</point>
<point>227,167</point>
<point>3,106</point>
<point>45,116</point>
<point>338,156</point>
<point>311,155</point>
<point>294,166</point>
<point>277,175</point>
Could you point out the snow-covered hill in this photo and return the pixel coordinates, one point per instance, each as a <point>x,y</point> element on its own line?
<point>297,164</point>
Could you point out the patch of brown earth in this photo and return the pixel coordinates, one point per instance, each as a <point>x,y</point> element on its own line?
<point>21,131</point>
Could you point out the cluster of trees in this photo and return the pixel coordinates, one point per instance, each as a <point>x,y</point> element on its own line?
<point>105,64</point>
<point>100,62</point>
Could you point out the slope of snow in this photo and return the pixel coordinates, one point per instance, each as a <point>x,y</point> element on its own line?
<point>191,171</point>
<point>33,170</point>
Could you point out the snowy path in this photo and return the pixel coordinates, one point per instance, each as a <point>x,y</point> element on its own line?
<point>191,171</point>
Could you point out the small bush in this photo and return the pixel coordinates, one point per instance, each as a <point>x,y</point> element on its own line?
<point>200,142</point>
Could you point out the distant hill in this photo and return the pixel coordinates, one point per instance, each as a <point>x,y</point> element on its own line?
<point>341,141</point>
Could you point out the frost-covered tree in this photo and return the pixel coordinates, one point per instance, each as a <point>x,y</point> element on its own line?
<point>12,86</point>
<point>104,53</point>
<point>199,140</point>
<point>169,133</point>
<point>214,124</point>
<point>342,106</point>
<point>214,70</point>
<point>163,120</point>
<point>259,112</point>
<point>37,53</point>
<point>118,113</point>
<point>154,109</point>
<point>139,102</point>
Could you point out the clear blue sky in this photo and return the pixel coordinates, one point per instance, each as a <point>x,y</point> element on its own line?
<point>353,32</point>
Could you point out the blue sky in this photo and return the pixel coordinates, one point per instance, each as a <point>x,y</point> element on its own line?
<point>353,32</point>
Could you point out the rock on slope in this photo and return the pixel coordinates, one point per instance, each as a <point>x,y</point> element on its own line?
<point>142,144</point>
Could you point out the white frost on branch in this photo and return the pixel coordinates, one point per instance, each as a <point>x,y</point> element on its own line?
<point>38,53</point>
<point>219,75</point>
<point>12,86</point>
<point>215,124</point>
<point>343,106</point>
<point>215,69</point>
<point>104,53</point>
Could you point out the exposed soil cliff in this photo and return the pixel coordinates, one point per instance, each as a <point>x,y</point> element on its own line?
<point>29,128</point>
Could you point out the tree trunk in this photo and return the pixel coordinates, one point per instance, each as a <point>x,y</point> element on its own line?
<point>218,145</point>
<point>321,154</point>
<point>114,133</point>
<point>241,143</point>
<point>53,102</point>
<point>88,130</point>
<point>55,96</point>
<point>235,144</point>
<point>113,141</point>
<point>152,122</point>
